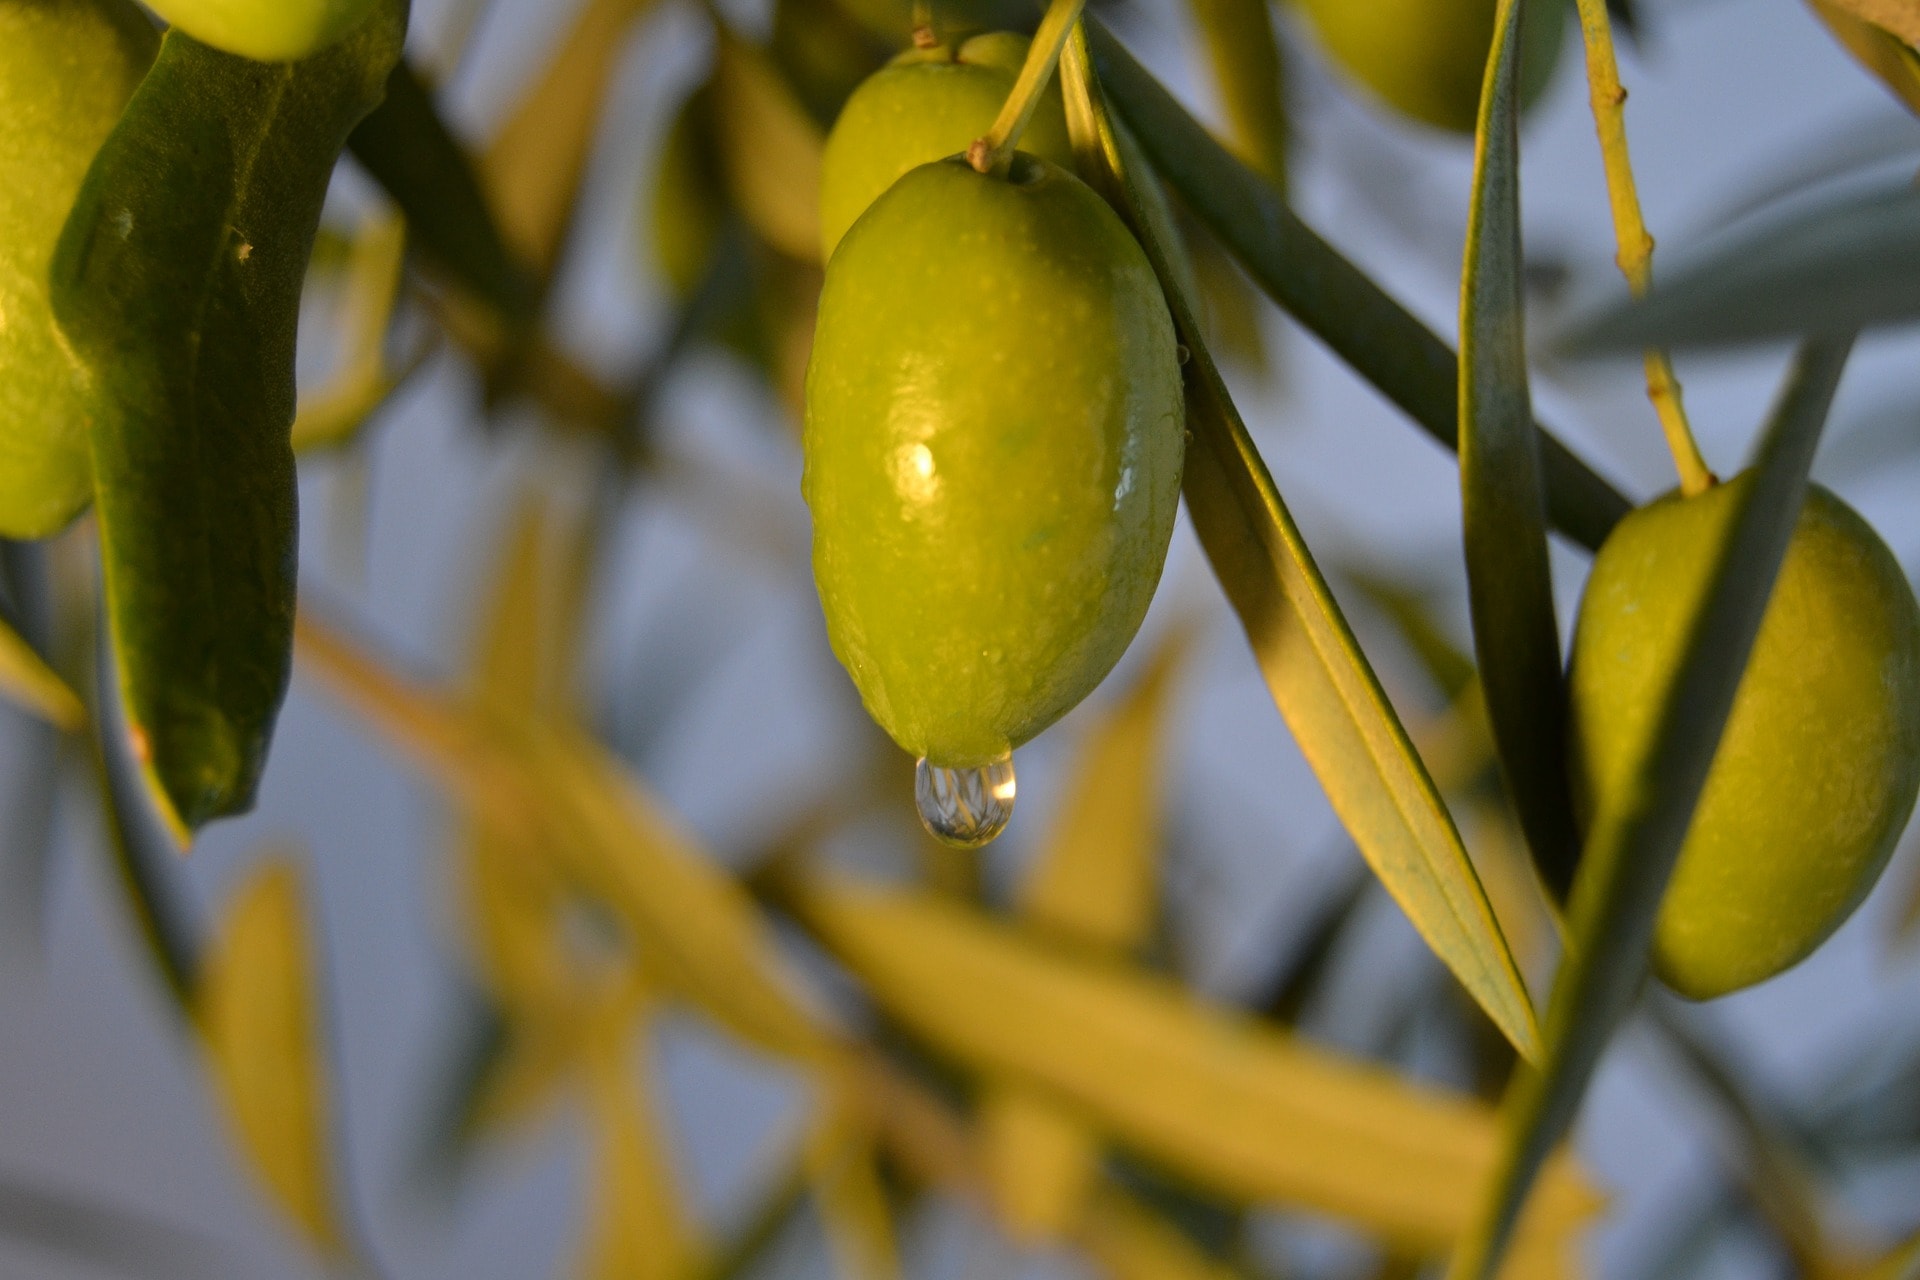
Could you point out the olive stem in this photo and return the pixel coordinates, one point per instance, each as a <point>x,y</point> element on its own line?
<point>925,35</point>
<point>1635,254</point>
<point>994,152</point>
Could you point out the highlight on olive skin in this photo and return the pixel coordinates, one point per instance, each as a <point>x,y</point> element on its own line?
<point>1818,769</point>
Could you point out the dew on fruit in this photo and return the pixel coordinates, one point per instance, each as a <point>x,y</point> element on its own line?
<point>965,808</point>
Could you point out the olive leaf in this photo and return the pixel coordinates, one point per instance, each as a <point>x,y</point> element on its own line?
<point>1251,79</point>
<point>1900,17</point>
<point>373,271</point>
<point>1901,1263</point>
<point>1314,668</point>
<point>177,286</point>
<point>1516,635</point>
<point>843,1171</point>
<point>1240,1108</point>
<point>534,166</point>
<point>1850,262</point>
<point>408,148</point>
<point>1891,59</point>
<point>258,1009</point>
<point>28,682</point>
<point>107,1238</point>
<point>1310,280</point>
<point>1631,847</point>
<point>1130,1242</point>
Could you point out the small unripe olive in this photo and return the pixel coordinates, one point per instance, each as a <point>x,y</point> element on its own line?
<point>67,68</point>
<point>1427,58</point>
<point>993,446</point>
<point>265,30</point>
<point>1820,762</point>
<point>924,105</point>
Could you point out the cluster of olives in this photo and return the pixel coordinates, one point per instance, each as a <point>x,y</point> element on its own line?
<point>994,424</point>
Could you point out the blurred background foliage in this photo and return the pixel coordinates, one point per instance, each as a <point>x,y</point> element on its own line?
<point>585,928</point>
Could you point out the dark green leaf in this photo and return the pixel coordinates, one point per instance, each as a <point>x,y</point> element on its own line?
<point>410,152</point>
<point>1326,293</point>
<point>1631,849</point>
<point>1848,264</point>
<point>1318,675</point>
<point>1516,636</point>
<point>177,285</point>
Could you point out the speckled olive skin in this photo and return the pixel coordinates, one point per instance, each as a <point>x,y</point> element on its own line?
<point>925,105</point>
<point>67,68</point>
<point>1820,762</point>
<point>994,438</point>
<point>265,30</point>
<point>1427,58</point>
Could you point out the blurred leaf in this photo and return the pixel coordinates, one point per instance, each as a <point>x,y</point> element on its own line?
<point>1131,1243</point>
<point>1247,71</point>
<point>27,681</point>
<point>1516,635</point>
<point>1245,1110</point>
<point>844,1174</point>
<point>688,209</point>
<point>1326,293</point>
<point>258,1007</point>
<point>411,153</point>
<point>823,52</point>
<point>1230,306</point>
<point>1041,1161</point>
<point>1900,17</point>
<point>637,1228</point>
<point>552,789</point>
<point>1318,675</point>
<point>535,164</point>
<point>1851,262</point>
<point>1876,49</point>
<point>374,267</point>
<point>107,1237</point>
<point>1631,848</point>
<point>177,285</point>
<point>1096,876</point>
<point>769,148</point>
<point>1902,1263</point>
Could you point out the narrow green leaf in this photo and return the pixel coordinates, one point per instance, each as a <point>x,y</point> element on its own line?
<point>177,285</point>
<point>408,148</point>
<point>1903,1263</point>
<point>1251,80</point>
<point>1314,668</point>
<point>1630,850</point>
<point>1850,263</point>
<point>1516,636</point>
<point>1309,279</point>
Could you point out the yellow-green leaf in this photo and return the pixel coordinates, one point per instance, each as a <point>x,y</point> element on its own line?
<point>1318,675</point>
<point>1130,1242</point>
<point>845,1180</point>
<point>1876,49</point>
<point>769,148</point>
<point>1899,17</point>
<point>1238,1106</point>
<point>258,1008</point>
<point>28,681</point>
<point>375,266</point>
<point>535,163</point>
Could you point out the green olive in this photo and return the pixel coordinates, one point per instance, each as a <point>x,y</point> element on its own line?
<point>67,68</point>
<point>1818,768</point>
<point>1427,58</point>
<point>265,30</point>
<point>993,445</point>
<point>924,105</point>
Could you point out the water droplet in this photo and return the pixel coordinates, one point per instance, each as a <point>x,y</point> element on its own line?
<point>1181,353</point>
<point>965,807</point>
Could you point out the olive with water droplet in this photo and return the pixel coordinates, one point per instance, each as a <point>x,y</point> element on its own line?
<point>993,448</point>
<point>965,807</point>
